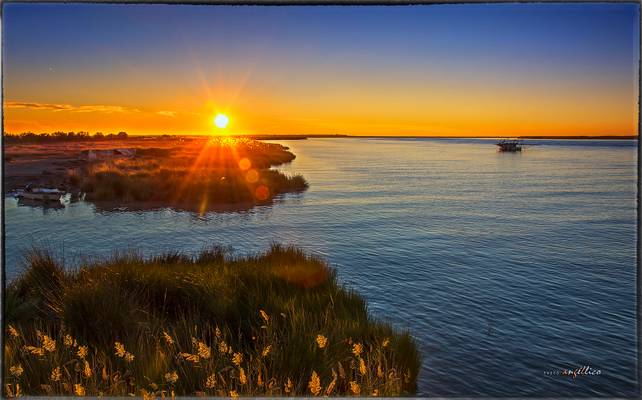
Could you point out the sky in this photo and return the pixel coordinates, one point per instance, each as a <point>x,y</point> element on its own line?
<point>434,70</point>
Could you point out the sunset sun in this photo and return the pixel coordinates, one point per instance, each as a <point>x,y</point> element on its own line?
<point>221,121</point>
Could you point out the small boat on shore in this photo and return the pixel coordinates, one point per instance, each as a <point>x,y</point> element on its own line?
<point>46,205</point>
<point>510,145</point>
<point>41,194</point>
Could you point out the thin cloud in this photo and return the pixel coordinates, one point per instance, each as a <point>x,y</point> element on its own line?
<point>69,107</point>
<point>105,109</point>
<point>166,113</point>
<point>39,106</point>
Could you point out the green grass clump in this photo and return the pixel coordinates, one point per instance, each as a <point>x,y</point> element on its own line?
<point>196,176</point>
<point>177,188</point>
<point>271,324</point>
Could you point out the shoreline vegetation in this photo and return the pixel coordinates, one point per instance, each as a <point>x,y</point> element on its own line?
<point>221,171</point>
<point>195,174</point>
<point>54,137</point>
<point>275,323</point>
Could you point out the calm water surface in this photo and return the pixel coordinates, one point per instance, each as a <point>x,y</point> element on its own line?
<point>502,266</point>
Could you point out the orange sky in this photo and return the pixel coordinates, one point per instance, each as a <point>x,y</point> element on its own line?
<point>475,113</point>
<point>428,71</point>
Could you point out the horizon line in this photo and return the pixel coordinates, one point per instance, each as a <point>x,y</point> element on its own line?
<point>339,135</point>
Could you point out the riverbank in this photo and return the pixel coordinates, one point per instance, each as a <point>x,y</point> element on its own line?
<point>196,174</point>
<point>45,164</point>
<point>270,324</point>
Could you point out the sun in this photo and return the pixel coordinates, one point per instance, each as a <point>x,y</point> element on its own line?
<point>221,121</point>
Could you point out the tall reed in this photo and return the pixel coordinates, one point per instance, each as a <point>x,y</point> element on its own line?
<point>270,324</point>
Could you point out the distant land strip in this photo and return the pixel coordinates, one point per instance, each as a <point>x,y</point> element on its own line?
<point>302,137</point>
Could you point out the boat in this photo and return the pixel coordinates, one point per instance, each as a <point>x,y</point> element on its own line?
<point>510,145</point>
<point>41,194</point>
<point>40,204</point>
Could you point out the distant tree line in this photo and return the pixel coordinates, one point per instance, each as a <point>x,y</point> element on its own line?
<point>30,137</point>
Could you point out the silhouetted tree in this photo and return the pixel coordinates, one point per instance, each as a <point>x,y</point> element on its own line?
<point>59,136</point>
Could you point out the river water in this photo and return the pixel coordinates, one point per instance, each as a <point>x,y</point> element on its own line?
<point>505,267</point>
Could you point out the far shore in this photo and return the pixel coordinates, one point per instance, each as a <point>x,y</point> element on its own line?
<point>303,137</point>
<point>343,136</point>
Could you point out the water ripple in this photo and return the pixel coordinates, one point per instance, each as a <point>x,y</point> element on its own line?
<point>502,266</point>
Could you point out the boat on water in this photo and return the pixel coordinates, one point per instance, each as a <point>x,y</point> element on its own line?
<point>41,204</point>
<point>40,194</point>
<point>510,145</point>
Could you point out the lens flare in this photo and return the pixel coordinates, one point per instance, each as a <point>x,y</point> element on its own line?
<point>252,176</point>
<point>245,164</point>
<point>262,193</point>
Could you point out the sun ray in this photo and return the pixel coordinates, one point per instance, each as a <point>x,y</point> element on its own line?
<point>219,158</point>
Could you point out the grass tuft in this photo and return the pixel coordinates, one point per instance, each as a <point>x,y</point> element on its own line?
<point>275,323</point>
<point>215,172</point>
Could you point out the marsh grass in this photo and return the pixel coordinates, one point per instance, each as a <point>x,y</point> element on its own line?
<point>200,174</point>
<point>270,324</point>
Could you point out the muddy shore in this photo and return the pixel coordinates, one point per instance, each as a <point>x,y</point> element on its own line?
<point>64,166</point>
<point>45,164</point>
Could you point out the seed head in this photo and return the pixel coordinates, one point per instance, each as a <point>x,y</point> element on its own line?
<point>355,388</point>
<point>362,367</point>
<point>79,390</point>
<point>82,352</point>
<point>222,347</point>
<point>288,386</point>
<point>190,357</point>
<point>48,343</point>
<point>120,349</point>
<point>168,339</point>
<point>242,376</point>
<point>315,384</point>
<point>211,381</point>
<point>55,374</point>
<point>37,351</point>
<point>12,331</point>
<point>87,370</point>
<point>171,377</point>
<point>264,315</point>
<point>16,370</point>
<point>203,350</point>
<point>357,349</point>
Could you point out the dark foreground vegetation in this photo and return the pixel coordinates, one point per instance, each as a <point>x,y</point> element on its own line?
<point>271,324</point>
